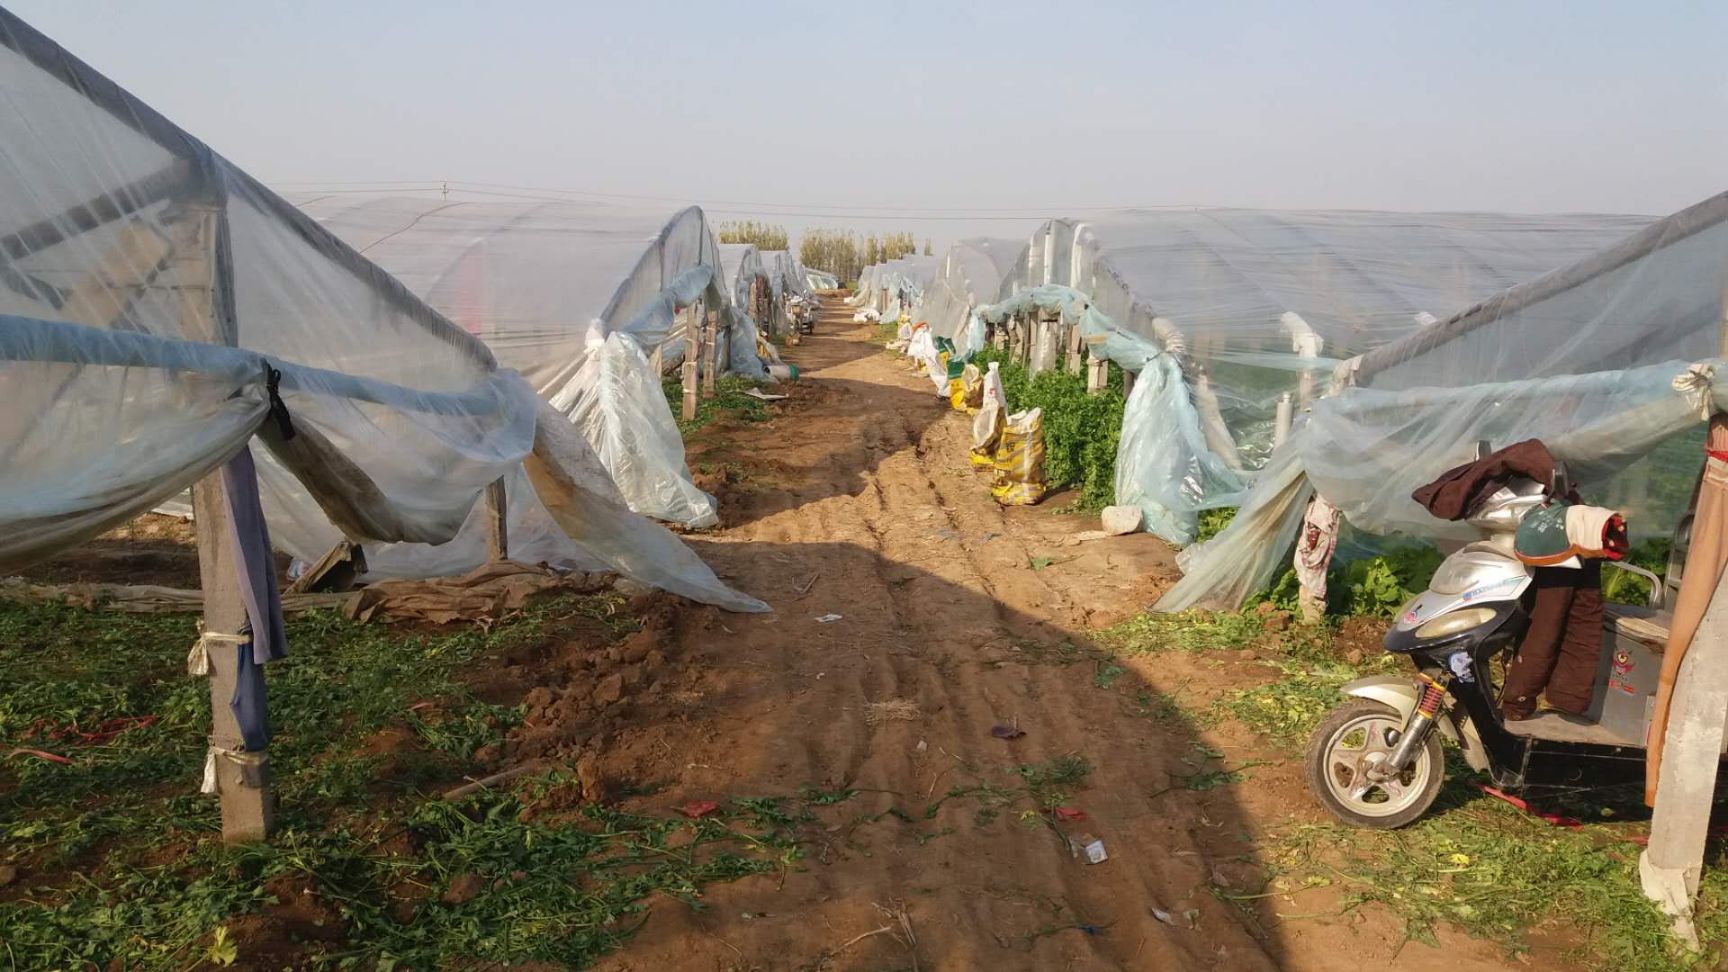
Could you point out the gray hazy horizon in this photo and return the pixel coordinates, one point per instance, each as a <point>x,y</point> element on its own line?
<point>948,119</point>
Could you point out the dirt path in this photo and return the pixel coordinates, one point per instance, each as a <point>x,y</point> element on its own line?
<point>855,500</point>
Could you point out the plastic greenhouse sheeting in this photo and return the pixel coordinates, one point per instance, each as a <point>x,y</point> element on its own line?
<point>784,274</point>
<point>577,297</point>
<point>821,280</point>
<point>159,308</point>
<point>969,274</point>
<point>785,280</point>
<point>1606,360</point>
<point>1259,304</point>
<point>741,272</point>
<point>893,288</point>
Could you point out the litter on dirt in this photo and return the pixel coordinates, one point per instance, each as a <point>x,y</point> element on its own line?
<point>697,809</point>
<point>39,754</point>
<point>1069,813</point>
<point>891,710</point>
<point>764,396</point>
<point>1007,732</point>
<point>829,618</point>
<point>1089,847</point>
<point>1168,918</point>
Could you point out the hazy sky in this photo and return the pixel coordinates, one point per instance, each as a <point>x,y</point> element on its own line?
<point>858,113</point>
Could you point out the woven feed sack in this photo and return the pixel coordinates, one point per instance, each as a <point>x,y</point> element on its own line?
<point>1019,460</point>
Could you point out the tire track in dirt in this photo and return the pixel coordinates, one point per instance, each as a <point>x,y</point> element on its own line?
<point>856,499</point>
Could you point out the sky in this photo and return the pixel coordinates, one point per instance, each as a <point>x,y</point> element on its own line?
<point>948,119</point>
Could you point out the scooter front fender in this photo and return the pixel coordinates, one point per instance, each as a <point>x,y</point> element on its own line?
<point>1403,694</point>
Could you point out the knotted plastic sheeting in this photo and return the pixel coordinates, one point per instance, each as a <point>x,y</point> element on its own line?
<point>616,401</point>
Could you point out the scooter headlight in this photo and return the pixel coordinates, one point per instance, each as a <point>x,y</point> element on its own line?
<point>1447,625</point>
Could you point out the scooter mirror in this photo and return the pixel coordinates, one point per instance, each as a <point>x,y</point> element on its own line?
<point>1562,484</point>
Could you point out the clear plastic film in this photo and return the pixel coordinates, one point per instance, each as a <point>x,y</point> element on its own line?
<point>969,274</point>
<point>745,281</point>
<point>156,298</point>
<point>892,289</point>
<point>548,286</point>
<point>1609,360</point>
<point>1257,305</point>
<point>158,307</point>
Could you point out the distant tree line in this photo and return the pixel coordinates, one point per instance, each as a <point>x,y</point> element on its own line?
<point>766,236</point>
<point>841,252</point>
<point>845,253</point>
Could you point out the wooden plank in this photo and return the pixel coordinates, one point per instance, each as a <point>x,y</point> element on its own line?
<point>1097,375</point>
<point>337,570</point>
<point>689,371</point>
<point>710,359</point>
<point>497,517</point>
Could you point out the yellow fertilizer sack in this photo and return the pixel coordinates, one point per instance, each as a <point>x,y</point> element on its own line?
<point>966,393</point>
<point>987,424</point>
<point>1019,460</point>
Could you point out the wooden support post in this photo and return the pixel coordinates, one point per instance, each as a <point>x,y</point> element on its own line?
<point>1074,345</point>
<point>1097,375</point>
<point>497,525</point>
<point>710,359</point>
<point>242,778</point>
<point>1282,418</point>
<point>1670,867</point>
<point>1127,382</point>
<point>689,371</point>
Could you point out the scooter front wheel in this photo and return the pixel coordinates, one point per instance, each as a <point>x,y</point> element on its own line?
<point>1344,758</point>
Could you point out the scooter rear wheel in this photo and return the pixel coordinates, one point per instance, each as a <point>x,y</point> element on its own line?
<point>1344,750</point>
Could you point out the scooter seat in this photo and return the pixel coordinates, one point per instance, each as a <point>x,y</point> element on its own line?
<point>1648,626</point>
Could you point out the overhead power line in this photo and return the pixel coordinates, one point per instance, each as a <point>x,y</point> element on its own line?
<point>720,206</point>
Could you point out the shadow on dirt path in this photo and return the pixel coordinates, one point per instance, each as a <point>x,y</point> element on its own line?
<point>947,616</point>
